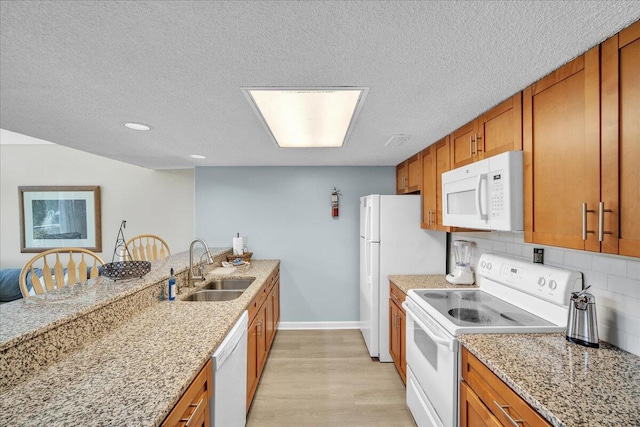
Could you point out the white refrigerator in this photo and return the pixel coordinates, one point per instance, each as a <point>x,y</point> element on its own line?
<point>391,242</point>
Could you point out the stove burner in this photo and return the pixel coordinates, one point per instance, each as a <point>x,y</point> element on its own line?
<point>466,314</point>
<point>520,318</point>
<point>436,295</point>
<point>472,296</point>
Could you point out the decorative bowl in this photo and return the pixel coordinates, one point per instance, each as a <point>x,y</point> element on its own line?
<point>126,269</point>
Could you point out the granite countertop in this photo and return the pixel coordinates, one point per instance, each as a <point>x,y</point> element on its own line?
<point>406,282</point>
<point>136,373</point>
<point>568,384</point>
<point>25,318</point>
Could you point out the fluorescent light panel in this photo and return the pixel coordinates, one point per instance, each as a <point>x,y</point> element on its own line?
<point>307,117</point>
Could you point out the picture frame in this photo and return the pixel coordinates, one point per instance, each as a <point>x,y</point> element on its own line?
<point>60,217</point>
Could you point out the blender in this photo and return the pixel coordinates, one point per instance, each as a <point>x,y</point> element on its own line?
<point>462,274</point>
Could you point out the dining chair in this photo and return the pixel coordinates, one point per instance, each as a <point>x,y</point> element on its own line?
<point>59,267</point>
<point>147,247</point>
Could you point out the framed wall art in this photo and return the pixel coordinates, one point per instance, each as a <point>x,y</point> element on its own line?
<point>60,217</point>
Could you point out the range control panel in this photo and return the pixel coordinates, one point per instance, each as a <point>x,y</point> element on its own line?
<point>552,284</point>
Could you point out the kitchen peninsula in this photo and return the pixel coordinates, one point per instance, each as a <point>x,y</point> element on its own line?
<point>128,355</point>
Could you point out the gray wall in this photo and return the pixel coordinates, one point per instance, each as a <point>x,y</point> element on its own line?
<point>285,213</point>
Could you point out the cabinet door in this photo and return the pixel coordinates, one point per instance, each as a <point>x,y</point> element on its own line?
<point>401,178</point>
<point>428,191</point>
<point>273,312</point>
<point>276,306</point>
<point>620,92</point>
<point>443,164</point>
<point>414,172</point>
<point>252,360</point>
<point>394,334</point>
<point>463,145</point>
<point>402,321</point>
<point>500,129</point>
<point>561,141</point>
<point>472,411</point>
<point>270,319</point>
<point>261,347</point>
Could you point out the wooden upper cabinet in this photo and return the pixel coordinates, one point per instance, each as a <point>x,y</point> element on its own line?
<point>408,175</point>
<point>463,145</point>
<point>435,161</point>
<point>428,192</point>
<point>401,177</point>
<point>619,226</point>
<point>494,132</point>
<point>500,129</point>
<point>561,141</point>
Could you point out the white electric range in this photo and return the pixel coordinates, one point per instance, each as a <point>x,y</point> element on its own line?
<point>512,296</point>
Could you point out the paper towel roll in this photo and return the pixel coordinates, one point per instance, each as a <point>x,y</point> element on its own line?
<point>238,244</point>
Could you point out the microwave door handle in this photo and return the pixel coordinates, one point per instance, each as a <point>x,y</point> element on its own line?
<point>482,214</point>
<point>438,340</point>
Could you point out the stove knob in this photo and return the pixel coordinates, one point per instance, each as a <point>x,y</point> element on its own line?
<point>553,284</point>
<point>482,264</point>
<point>489,266</point>
<point>541,281</point>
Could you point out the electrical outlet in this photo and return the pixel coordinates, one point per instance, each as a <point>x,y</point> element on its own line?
<point>538,255</point>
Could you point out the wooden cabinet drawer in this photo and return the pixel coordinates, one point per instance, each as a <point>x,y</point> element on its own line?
<point>193,406</point>
<point>500,400</point>
<point>396,295</point>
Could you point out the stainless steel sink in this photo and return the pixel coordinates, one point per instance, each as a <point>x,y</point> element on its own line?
<point>220,295</point>
<point>229,284</point>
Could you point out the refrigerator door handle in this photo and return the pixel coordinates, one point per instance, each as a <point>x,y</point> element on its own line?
<point>367,257</point>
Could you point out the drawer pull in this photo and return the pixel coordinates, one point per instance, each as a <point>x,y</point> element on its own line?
<point>516,423</point>
<point>188,420</point>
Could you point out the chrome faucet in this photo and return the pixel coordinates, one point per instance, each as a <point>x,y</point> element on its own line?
<point>200,275</point>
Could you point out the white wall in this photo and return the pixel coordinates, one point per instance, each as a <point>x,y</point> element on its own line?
<point>286,213</point>
<point>614,280</point>
<point>157,202</point>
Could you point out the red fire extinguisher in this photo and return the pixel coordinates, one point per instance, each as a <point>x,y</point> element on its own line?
<point>335,203</point>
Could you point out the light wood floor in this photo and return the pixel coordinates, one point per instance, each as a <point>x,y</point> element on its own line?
<point>326,378</point>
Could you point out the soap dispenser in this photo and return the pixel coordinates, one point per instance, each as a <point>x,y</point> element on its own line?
<point>172,286</point>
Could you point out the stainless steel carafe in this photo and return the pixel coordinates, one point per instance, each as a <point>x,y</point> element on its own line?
<point>582,324</point>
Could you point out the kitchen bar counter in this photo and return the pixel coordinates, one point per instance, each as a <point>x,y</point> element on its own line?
<point>407,282</point>
<point>568,384</point>
<point>135,373</point>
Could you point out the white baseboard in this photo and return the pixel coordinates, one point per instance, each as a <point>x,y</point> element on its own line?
<point>318,325</point>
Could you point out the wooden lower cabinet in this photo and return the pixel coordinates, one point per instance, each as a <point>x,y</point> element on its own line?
<point>263,324</point>
<point>485,400</point>
<point>472,411</point>
<point>397,330</point>
<point>193,407</point>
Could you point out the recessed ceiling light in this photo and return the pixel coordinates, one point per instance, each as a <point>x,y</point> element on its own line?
<point>137,126</point>
<point>307,117</point>
<point>198,156</point>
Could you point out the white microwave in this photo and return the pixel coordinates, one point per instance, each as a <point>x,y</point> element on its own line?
<point>485,195</point>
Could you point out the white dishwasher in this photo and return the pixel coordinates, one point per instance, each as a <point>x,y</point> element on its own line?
<point>229,401</point>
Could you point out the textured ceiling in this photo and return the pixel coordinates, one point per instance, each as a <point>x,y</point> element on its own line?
<point>72,72</point>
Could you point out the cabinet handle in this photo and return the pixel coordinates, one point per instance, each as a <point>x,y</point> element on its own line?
<point>477,137</point>
<point>470,146</point>
<point>259,328</point>
<point>188,420</point>
<point>601,211</point>
<point>584,221</point>
<point>516,423</point>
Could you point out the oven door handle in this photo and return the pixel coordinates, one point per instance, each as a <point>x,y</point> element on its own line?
<point>449,343</point>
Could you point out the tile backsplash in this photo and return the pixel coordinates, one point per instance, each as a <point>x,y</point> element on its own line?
<point>614,280</point>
